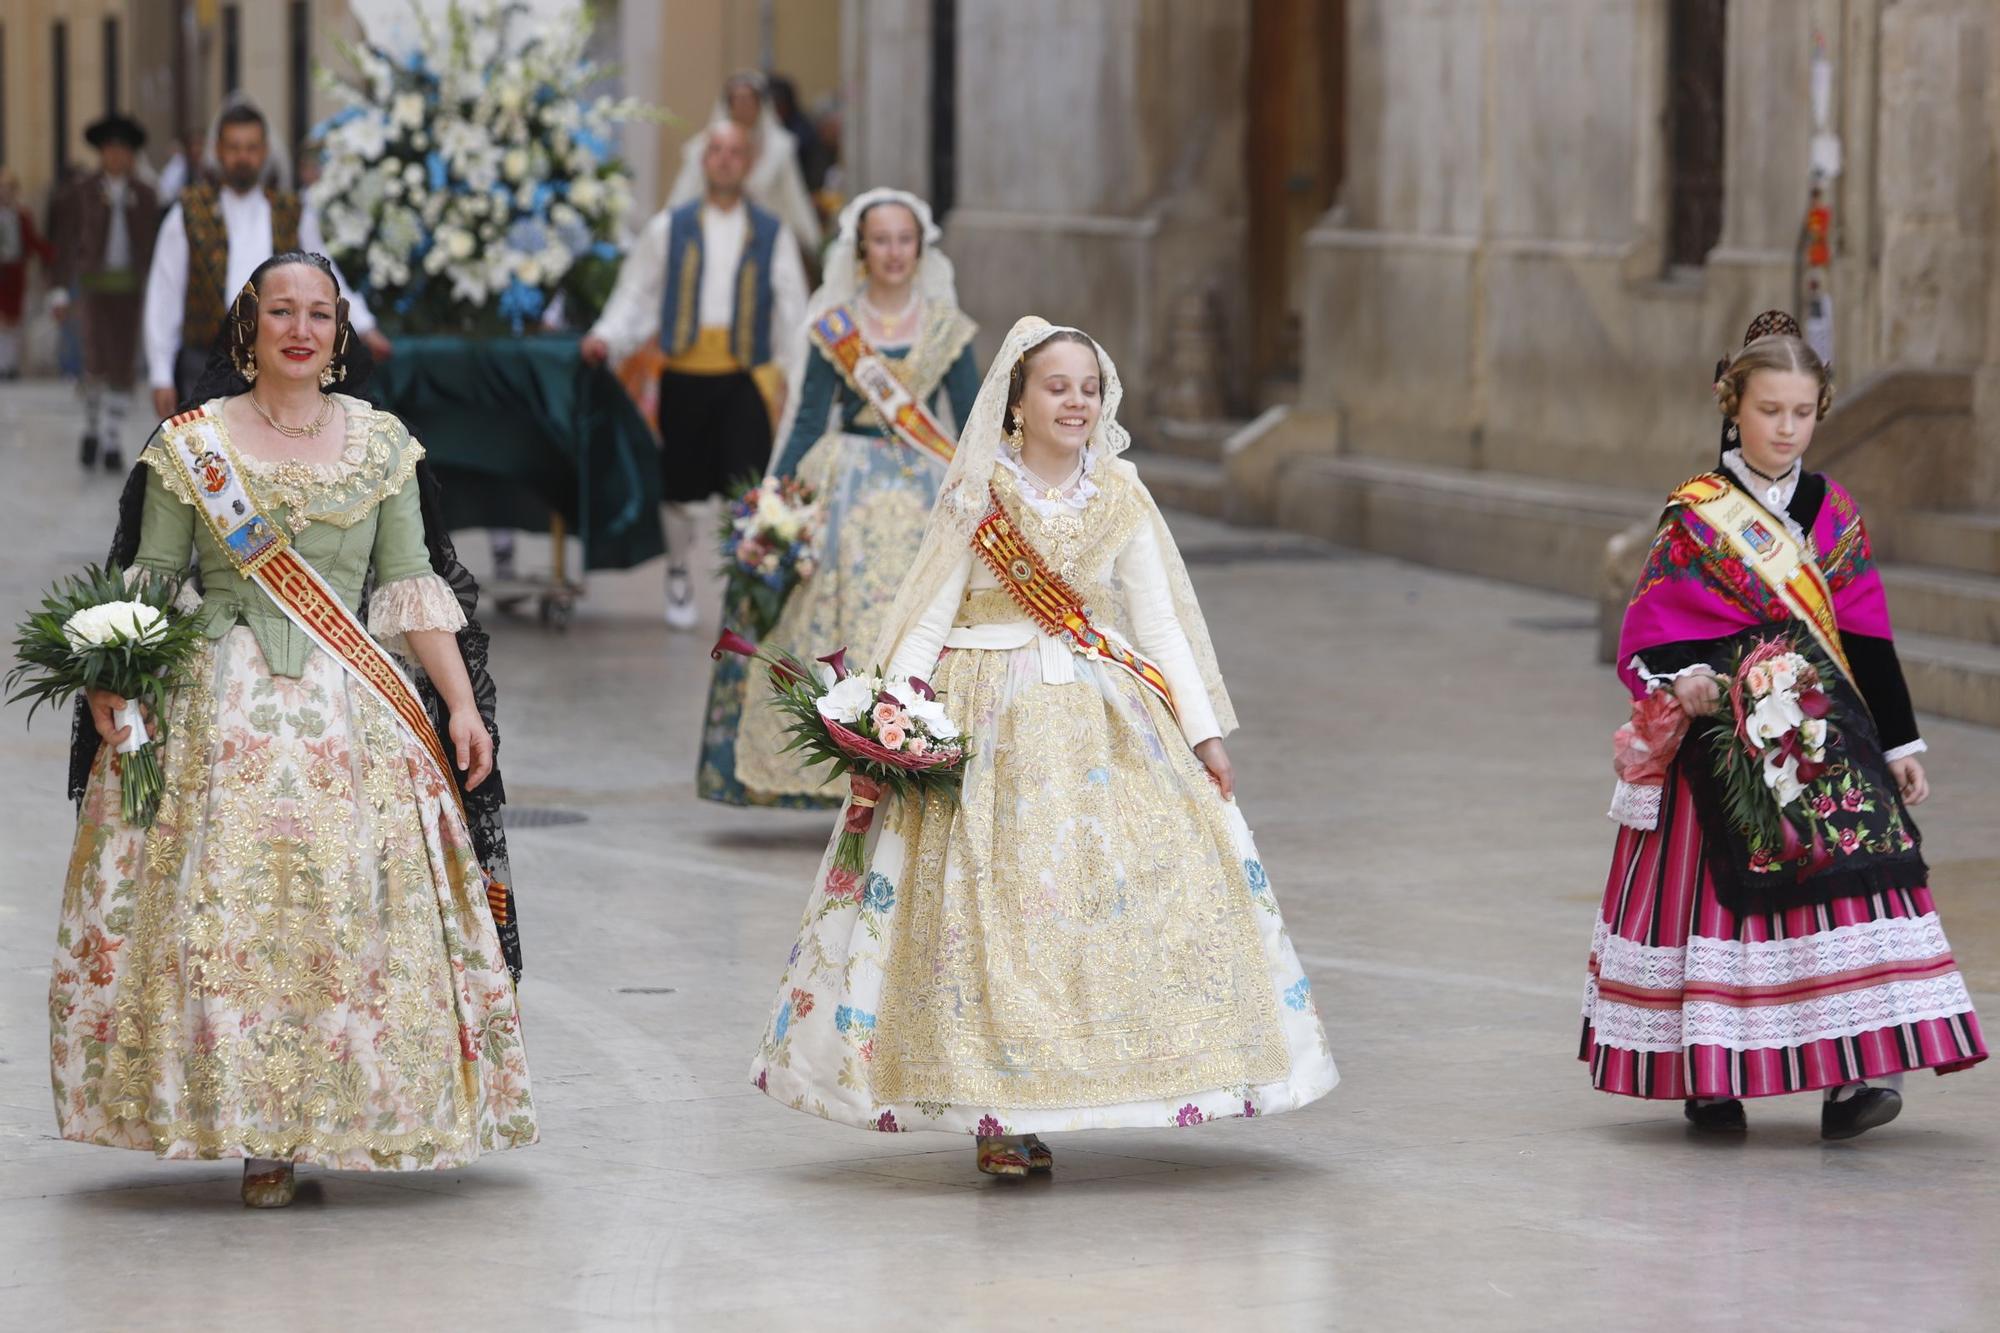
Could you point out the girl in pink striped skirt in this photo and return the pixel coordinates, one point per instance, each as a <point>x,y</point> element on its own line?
<point>1725,964</point>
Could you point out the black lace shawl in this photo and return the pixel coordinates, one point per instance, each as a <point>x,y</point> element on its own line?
<point>483,805</point>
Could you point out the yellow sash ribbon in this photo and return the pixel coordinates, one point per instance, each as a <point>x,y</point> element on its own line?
<point>1051,603</point>
<point>868,373</point>
<point>1766,545</point>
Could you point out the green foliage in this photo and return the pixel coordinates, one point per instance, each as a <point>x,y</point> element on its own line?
<point>49,669</point>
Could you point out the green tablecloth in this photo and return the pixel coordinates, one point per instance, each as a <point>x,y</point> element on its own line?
<point>520,427</point>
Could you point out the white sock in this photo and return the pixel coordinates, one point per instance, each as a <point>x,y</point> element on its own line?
<point>93,409</point>
<point>113,419</point>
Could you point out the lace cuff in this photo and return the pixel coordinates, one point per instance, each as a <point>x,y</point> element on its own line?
<point>1916,746</point>
<point>186,599</point>
<point>1636,806</point>
<point>425,602</point>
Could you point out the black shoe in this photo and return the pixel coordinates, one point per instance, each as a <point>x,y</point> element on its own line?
<point>88,455</point>
<point>1858,1114</point>
<point>114,460</point>
<point>1718,1117</point>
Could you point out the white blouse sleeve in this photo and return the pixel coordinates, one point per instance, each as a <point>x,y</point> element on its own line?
<point>917,654</point>
<point>1160,636</point>
<point>632,315</point>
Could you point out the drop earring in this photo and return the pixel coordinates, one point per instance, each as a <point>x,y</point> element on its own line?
<point>1014,435</point>
<point>1730,432</point>
<point>330,375</point>
<point>248,370</point>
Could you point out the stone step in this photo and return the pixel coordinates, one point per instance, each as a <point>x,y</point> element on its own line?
<point>1192,439</point>
<point>1532,530</point>
<point>1967,540</point>
<point>1952,677</point>
<point>1947,603</point>
<point>1189,484</point>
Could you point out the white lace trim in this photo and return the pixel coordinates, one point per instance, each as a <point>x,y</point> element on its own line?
<point>1035,491</point>
<point>1769,962</point>
<point>1916,746</point>
<point>1636,807</point>
<point>425,602</point>
<point>1822,1018</point>
<point>186,599</point>
<point>1759,489</point>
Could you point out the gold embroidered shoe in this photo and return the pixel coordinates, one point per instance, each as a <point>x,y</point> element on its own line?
<point>1040,1157</point>
<point>271,1187</point>
<point>998,1157</point>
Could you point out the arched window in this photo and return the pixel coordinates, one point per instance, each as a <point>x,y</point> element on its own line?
<point>1695,60</point>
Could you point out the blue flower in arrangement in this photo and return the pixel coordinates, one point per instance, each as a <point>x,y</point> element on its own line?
<point>1254,871</point>
<point>604,250</point>
<point>439,173</point>
<point>879,895</point>
<point>528,236</point>
<point>1299,995</point>
<point>592,142</point>
<point>520,304</point>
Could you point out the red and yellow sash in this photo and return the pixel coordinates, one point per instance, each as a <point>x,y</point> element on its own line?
<point>1767,547</point>
<point>868,373</point>
<point>259,549</point>
<point>1050,602</point>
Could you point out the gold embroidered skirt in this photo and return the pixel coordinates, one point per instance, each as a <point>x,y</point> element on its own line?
<point>875,498</point>
<point>297,961</point>
<point>1087,939</point>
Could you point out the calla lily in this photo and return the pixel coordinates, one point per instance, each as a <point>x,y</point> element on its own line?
<point>923,687</point>
<point>838,661</point>
<point>732,642</point>
<point>1814,703</point>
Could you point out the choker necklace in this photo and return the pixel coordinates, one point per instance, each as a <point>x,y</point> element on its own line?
<point>1777,484</point>
<point>888,323</point>
<point>314,427</point>
<point>1053,494</point>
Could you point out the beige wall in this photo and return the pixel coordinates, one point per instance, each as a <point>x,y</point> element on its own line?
<point>30,146</point>
<point>1488,291</point>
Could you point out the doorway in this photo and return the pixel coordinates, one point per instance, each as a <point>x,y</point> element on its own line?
<point>1297,96</point>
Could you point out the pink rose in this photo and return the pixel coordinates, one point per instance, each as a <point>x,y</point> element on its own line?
<point>1758,679</point>
<point>1851,800</point>
<point>887,715</point>
<point>917,745</point>
<point>1760,860</point>
<point>1850,841</point>
<point>1824,806</point>
<point>892,738</point>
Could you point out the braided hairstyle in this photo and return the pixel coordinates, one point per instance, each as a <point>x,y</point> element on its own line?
<point>224,376</point>
<point>1772,342</point>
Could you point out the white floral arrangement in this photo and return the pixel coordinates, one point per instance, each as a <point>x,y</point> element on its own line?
<point>470,181</point>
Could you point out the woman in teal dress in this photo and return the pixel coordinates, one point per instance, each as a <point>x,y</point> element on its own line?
<point>887,346</point>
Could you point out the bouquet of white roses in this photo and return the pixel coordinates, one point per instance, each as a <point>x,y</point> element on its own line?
<point>469,181</point>
<point>93,633</point>
<point>767,547</point>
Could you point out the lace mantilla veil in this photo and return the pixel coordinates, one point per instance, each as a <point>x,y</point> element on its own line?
<point>844,278</point>
<point>964,501</point>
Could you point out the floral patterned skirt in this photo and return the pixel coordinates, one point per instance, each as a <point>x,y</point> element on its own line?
<point>875,498</point>
<point>1086,939</point>
<point>1686,998</point>
<point>297,961</point>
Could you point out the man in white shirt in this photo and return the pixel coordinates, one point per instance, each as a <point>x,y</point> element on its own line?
<point>210,243</point>
<point>720,284</point>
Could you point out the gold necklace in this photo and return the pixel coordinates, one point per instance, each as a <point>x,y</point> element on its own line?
<point>317,424</point>
<point>1054,492</point>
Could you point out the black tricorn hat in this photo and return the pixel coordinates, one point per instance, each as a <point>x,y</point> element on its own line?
<point>115,128</point>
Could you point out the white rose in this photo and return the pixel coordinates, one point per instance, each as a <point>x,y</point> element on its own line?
<point>515,165</point>
<point>460,244</point>
<point>586,193</point>
<point>407,110</point>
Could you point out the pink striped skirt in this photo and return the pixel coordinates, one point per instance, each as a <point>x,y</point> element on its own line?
<point>1687,999</point>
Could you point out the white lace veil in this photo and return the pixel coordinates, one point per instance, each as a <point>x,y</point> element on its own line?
<point>845,276</point>
<point>963,501</point>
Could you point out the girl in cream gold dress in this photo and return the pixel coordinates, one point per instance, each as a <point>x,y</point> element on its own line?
<point>1086,938</point>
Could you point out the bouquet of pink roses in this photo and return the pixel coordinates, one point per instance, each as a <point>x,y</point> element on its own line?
<point>884,736</point>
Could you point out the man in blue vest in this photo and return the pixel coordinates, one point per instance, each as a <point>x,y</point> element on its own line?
<point>719,282</point>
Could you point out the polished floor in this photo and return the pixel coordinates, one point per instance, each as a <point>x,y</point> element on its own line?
<point>1425,760</point>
